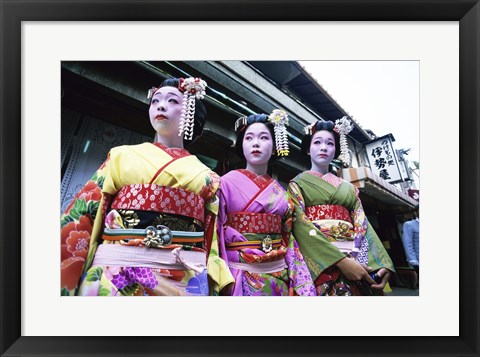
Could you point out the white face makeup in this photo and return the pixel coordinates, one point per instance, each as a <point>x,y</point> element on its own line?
<point>257,145</point>
<point>322,150</point>
<point>165,110</point>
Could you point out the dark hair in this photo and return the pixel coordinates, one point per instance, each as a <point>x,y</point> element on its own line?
<point>321,125</point>
<point>200,112</point>
<point>255,118</point>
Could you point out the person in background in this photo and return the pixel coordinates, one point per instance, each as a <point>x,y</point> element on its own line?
<point>342,251</point>
<point>410,239</point>
<point>144,224</point>
<point>255,219</point>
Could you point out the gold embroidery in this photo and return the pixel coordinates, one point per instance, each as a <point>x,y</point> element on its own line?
<point>130,218</point>
<point>341,232</point>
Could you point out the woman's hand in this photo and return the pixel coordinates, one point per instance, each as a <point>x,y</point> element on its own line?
<point>355,271</point>
<point>385,275</point>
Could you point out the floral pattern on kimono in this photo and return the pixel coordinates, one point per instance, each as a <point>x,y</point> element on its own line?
<point>83,223</point>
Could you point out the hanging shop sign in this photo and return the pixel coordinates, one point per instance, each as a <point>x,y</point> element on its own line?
<point>382,158</point>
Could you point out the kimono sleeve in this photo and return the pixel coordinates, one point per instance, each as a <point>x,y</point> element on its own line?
<point>318,252</point>
<point>360,225</point>
<point>300,280</point>
<point>218,271</point>
<point>377,255</point>
<point>77,225</point>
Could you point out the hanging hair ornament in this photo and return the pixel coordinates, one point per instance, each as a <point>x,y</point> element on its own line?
<point>343,126</point>
<point>309,129</point>
<point>279,119</point>
<point>240,123</point>
<point>192,88</point>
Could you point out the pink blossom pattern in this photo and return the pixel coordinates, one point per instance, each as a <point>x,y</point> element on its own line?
<point>248,222</point>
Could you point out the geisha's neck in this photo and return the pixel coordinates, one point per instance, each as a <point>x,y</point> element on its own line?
<point>174,141</point>
<point>323,170</point>
<point>259,170</point>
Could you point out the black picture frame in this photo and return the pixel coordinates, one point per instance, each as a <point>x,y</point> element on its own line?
<point>13,12</point>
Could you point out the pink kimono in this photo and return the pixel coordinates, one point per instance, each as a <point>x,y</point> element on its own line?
<point>254,236</point>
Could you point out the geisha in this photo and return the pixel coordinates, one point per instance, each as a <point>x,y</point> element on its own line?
<point>255,217</point>
<point>342,251</point>
<point>144,224</point>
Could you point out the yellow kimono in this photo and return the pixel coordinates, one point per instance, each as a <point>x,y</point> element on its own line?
<point>144,225</point>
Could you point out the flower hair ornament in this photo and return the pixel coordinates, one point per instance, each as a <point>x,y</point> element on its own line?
<point>192,88</point>
<point>342,127</point>
<point>279,119</point>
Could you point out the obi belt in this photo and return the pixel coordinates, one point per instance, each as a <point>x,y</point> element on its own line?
<point>335,223</point>
<point>150,225</point>
<point>263,231</point>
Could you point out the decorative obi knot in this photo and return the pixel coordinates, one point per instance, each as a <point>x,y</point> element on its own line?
<point>152,197</point>
<point>320,212</point>
<point>257,241</point>
<point>153,237</point>
<point>248,222</point>
<point>336,230</point>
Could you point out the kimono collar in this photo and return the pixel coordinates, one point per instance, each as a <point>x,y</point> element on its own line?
<point>173,152</point>
<point>252,174</point>
<point>318,174</point>
<point>328,177</point>
<point>260,180</point>
<point>315,173</point>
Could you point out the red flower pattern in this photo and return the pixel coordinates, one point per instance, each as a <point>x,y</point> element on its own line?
<point>89,192</point>
<point>77,243</point>
<point>75,240</point>
<point>84,224</point>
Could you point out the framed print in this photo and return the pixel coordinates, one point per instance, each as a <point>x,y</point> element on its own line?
<point>180,327</point>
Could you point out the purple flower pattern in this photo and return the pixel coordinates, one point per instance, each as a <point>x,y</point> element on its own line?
<point>131,275</point>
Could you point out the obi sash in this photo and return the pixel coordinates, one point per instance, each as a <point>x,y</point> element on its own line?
<point>120,255</point>
<point>260,268</point>
<point>162,199</point>
<point>264,229</point>
<point>153,236</point>
<point>249,222</point>
<point>335,223</point>
<point>265,243</point>
<point>319,212</point>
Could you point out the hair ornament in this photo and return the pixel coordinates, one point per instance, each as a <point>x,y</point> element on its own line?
<point>192,88</point>
<point>240,123</point>
<point>279,119</point>
<point>343,126</point>
<point>309,129</point>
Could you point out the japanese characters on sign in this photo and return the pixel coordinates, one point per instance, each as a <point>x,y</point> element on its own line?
<point>382,158</point>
